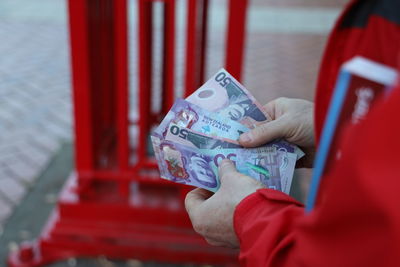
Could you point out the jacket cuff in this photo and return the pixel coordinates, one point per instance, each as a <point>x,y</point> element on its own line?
<point>267,200</point>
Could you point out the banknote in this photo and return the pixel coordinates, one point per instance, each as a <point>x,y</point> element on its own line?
<point>280,166</point>
<point>274,168</point>
<point>197,133</point>
<point>224,95</point>
<point>199,167</point>
<point>262,164</point>
<point>186,114</point>
<point>191,116</point>
<point>235,154</point>
<point>220,147</point>
<point>188,137</point>
<point>286,168</point>
<point>285,146</point>
<point>185,165</point>
<point>200,140</point>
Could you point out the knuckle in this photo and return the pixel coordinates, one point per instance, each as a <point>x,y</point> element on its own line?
<point>212,242</point>
<point>282,99</point>
<point>260,130</point>
<point>199,227</point>
<point>188,205</point>
<point>223,177</point>
<point>188,199</point>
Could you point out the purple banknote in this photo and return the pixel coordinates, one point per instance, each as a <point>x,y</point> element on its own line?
<point>185,165</point>
<point>264,167</point>
<point>224,95</point>
<point>197,133</point>
<point>286,168</point>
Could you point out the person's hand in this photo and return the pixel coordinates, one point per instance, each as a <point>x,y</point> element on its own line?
<point>292,120</point>
<point>212,214</point>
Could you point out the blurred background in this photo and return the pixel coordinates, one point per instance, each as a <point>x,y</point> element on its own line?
<point>284,43</point>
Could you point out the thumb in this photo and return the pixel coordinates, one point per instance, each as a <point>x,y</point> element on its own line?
<point>195,198</point>
<point>264,133</point>
<point>226,168</point>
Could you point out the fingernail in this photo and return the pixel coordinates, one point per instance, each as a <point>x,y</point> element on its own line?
<point>224,162</point>
<point>246,137</point>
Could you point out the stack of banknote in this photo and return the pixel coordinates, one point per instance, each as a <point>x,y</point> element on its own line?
<point>203,129</point>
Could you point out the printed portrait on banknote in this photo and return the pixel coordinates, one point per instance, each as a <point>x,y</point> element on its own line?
<point>185,166</point>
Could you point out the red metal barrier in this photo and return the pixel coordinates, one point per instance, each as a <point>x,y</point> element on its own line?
<point>115,204</point>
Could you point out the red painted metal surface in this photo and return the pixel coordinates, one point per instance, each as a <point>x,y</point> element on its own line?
<point>168,92</point>
<point>235,38</point>
<point>115,204</point>
<point>195,44</point>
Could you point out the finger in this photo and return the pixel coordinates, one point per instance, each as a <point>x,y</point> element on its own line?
<point>195,198</point>
<point>222,242</point>
<point>215,243</point>
<point>202,193</point>
<point>269,108</point>
<point>226,168</point>
<point>265,133</point>
<point>272,106</point>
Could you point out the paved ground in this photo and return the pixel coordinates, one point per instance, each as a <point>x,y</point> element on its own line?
<point>35,106</point>
<point>28,218</point>
<point>285,42</point>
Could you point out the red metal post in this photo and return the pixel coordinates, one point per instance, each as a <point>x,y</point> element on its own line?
<point>83,111</point>
<point>203,41</point>
<point>236,37</point>
<point>145,15</point>
<point>169,30</point>
<point>111,206</point>
<point>195,44</point>
<point>122,90</point>
<point>121,83</point>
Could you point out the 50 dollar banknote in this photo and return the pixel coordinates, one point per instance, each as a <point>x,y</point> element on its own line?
<point>188,115</point>
<point>199,167</point>
<point>224,95</point>
<point>189,137</point>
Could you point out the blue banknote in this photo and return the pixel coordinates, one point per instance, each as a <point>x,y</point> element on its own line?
<point>191,116</point>
<point>188,137</point>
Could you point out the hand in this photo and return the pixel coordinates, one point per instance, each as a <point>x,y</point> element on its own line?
<point>212,214</point>
<point>292,120</point>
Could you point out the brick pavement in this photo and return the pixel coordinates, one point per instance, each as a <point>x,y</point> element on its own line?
<point>35,106</point>
<point>35,99</point>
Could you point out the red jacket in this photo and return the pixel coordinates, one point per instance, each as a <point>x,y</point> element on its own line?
<point>356,221</point>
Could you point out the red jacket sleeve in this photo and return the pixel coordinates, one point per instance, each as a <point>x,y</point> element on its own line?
<point>357,218</point>
<point>264,223</point>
